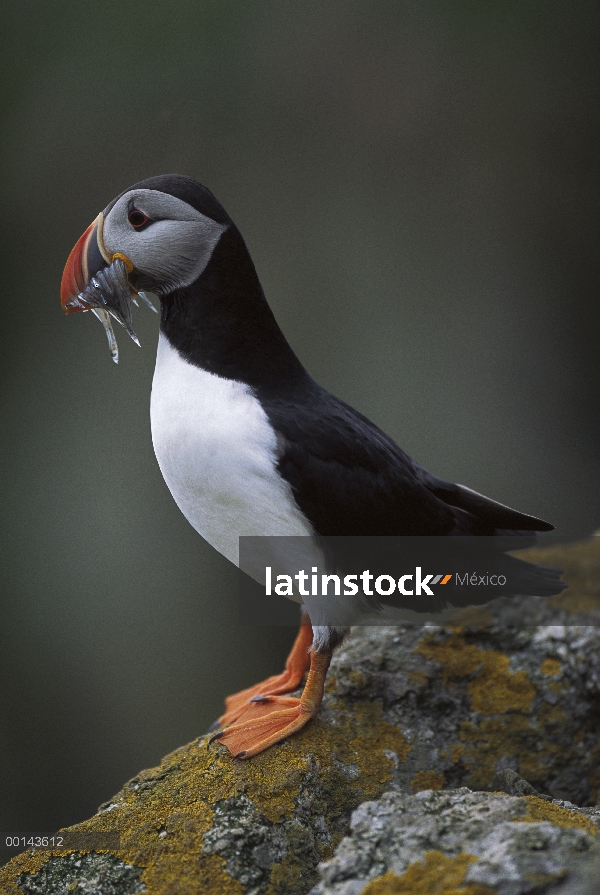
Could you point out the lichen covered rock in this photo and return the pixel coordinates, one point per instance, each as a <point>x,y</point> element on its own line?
<point>406,709</point>
<point>470,702</point>
<point>83,873</point>
<point>205,822</point>
<point>464,843</point>
<point>512,692</point>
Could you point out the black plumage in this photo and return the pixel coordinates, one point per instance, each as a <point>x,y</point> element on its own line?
<point>347,476</point>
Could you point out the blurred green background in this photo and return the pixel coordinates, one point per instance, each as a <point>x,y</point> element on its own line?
<point>417,183</point>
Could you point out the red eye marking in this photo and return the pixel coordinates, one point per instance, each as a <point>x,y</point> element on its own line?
<point>137,218</point>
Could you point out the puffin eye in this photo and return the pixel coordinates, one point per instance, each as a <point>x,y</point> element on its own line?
<point>137,218</point>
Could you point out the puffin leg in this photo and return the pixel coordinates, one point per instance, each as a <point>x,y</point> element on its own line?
<point>275,718</point>
<point>295,667</point>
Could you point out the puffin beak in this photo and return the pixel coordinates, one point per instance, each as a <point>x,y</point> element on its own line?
<point>77,275</point>
<point>93,281</point>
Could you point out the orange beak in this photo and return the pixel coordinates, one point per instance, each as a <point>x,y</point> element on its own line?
<point>76,274</point>
<point>93,281</point>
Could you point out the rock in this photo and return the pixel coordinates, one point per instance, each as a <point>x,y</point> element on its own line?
<point>493,704</point>
<point>460,841</point>
<point>84,873</point>
<point>519,693</point>
<point>511,783</point>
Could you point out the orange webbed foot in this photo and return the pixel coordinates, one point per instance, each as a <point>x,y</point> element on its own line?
<point>295,667</point>
<point>271,719</point>
<point>263,724</point>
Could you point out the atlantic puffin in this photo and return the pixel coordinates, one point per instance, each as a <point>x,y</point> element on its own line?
<point>248,443</point>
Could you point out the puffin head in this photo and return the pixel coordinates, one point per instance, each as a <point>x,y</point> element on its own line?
<point>157,236</point>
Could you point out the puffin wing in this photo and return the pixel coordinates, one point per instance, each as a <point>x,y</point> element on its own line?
<point>493,515</point>
<point>348,477</point>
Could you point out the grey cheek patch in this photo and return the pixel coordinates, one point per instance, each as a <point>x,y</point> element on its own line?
<point>174,250</point>
<point>180,254</point>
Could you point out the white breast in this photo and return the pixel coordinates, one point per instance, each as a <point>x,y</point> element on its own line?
<point>217,453</point>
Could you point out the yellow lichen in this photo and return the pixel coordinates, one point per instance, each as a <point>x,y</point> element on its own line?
<point>427,780</point>
<point>551,667</point>
<point>552,715</point>
<point>375,735</point>
<point>456,752</point>
<point>458,660</point>
<point>418,678</point>
<point>285,878</point>
<point>494,689</point>
<point>357,678</point>
<point>180,795</point>
<point>495,738</point>
<point>581,566</point>
<point>438,874</point>
<point>539,811</point>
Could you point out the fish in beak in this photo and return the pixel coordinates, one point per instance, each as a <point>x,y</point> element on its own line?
<point>95,281</point>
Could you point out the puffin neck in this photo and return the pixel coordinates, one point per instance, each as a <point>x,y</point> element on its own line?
<point>223,324</point>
